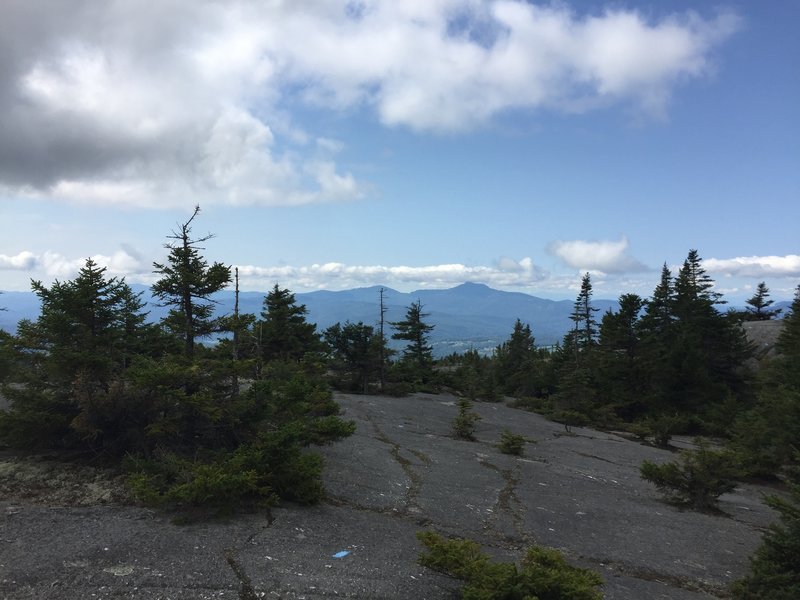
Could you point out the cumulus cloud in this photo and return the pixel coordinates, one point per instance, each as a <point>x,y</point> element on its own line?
<point>757,267</point>
<point>118,103</point>
<point>24,261</point>
<point>52,265</point>
<point>340,276</point>
<point>596,256</point>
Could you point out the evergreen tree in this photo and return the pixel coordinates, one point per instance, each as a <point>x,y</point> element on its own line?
<point>656,332</point>
<point>517,364</point>
<point>620,375</point>
<point>707,350</point>
<point>583,317</point>
<point>658,315</point>
<point>418,354</point>
<point>775,567</point>
<point>789,340</point>
<point>766,436</point>
<point>187,283</point>
<point>574,402</point>
<point>283,333</point>
<point>759,305</point>
<point>69,360</point>
<point>356,352</point>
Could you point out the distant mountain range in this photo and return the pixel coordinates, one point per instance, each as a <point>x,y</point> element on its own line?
<point>470,315</point>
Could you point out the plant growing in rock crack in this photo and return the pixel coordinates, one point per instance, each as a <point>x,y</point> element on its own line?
<point>697,480</point>
<point>465,421</point>
<point>512,443</point>
<point>543,573</point>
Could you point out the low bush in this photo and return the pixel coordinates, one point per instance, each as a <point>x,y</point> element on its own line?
<point>512,443</point>
<point>465,421</point>
<point>542,575</point>
<point>697,480</point>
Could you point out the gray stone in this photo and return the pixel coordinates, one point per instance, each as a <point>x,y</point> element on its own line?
<point>400,473</point>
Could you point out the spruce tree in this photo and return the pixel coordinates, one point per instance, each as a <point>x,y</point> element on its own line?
<point>620,375</point>
<point>418,354</point>
<point>766,436</point>
<point>69,359</point>
<point>759,305</point>
<point>583,317</point>
<point>515,361</point>
<point>283,333</point>
<point>356,352</point>
<point>187,283</point>
<point>705,354</point>
<point>789,340</point>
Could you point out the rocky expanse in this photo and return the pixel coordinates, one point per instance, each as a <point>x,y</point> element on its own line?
<point>65,535</point>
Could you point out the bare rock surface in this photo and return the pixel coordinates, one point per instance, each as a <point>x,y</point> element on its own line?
<point>401,472</point>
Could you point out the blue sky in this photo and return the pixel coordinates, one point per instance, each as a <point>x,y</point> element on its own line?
<point>416,145</point>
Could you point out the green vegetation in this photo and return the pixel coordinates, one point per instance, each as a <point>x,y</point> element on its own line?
<point>698,479</point>
<point>90,376</point>
<point>543,573</point>
<point>512,443</point>
<point>465,422</point>
<point>416,362</point>
<point>775,567</point>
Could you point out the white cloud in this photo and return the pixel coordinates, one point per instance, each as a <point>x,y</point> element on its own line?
<point>118,103</point>
<point>757,267</point>
<point>597,256</point>
<point>341,276</point>
<point>24,261</point>
<point>52,265</point>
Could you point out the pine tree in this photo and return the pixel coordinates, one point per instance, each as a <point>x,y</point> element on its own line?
<point>583,317</point>
<point>789,340</point>
<point>356,351</point>
<point>759,305</point>
<point>516,361</point>
<point>70,358</point>
<point>706,351</point>
<point>766,436</point>
<point>620,375</point>
<point>187,284</point>
<point>418,354</point>
<point>283,332</point>
<point>659,314</point>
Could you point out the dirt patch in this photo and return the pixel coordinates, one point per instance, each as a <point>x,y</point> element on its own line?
<point>42,480</point>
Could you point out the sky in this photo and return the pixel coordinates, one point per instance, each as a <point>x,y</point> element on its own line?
<point>415,144</point>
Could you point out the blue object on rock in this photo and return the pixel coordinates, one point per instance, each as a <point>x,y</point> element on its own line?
<point>341,554</point>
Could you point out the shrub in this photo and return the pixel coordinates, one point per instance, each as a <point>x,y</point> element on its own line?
<point>570,418</point>
<point>465,421</point>
<point>512,443</point>
<point>663,427</point>
<point>543,573</point>
<point>698,480</point>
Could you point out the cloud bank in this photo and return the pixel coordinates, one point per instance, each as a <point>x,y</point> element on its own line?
<point>118,103</point>
<point>508,273</point>
<point>757,267</point>
<point>504,273</point>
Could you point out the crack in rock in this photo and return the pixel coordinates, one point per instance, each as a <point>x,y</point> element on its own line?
<point>611,462</point>
<point>246,591</point>
<point>414,478</point>
<point>508,502</point>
